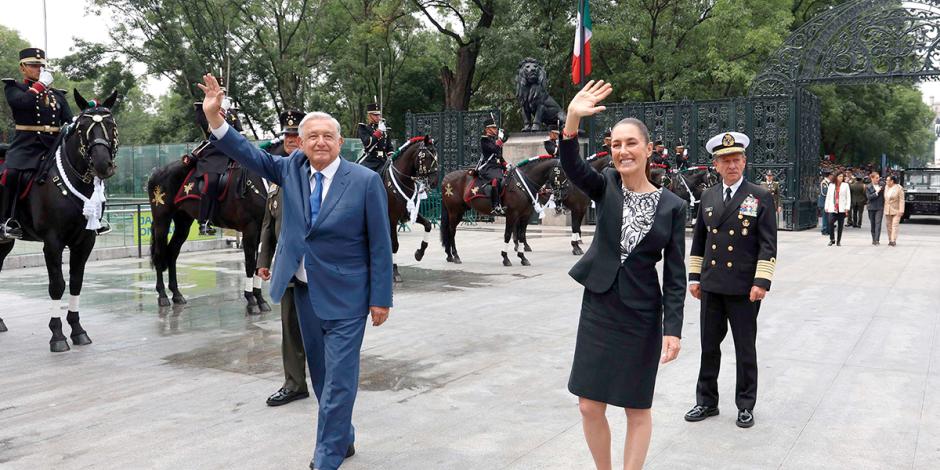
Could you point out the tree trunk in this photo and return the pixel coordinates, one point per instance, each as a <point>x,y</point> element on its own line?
<point>457,86</point>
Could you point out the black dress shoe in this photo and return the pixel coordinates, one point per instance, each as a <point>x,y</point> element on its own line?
<point>745,419</point>
<point>285,396</point>
<point>700,412</point>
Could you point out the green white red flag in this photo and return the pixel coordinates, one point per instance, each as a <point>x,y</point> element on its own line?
<point>581,59</point>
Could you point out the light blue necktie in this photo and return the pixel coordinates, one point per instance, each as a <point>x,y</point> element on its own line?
<point>316,198</point>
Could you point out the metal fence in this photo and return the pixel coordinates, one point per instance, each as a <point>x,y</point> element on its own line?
<point>131,223</point>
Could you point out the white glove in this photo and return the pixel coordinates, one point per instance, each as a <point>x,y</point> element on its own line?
<point>382,126</point>
<point>45,77</point>
<point>226,104</point>
<point>500,135</point>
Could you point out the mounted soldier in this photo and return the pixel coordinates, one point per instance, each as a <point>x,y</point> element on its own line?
<point>551,144</point>
<point>39,112</point>
<point>660,155</point>
<point>682,157</point>
<point>375,142</point>
<point>211,163</point>
<point>492,167</point>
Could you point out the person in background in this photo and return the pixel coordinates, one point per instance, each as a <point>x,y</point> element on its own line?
<point>838,202</point>
<point>857,190</point>
<point>874,193</point>
<point>894,208</point>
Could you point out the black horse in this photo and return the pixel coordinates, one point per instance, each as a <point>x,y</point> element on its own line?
<point>413,167</point>
<point>463,191</point>
<point>52,206</point>
<point>175,196</point>
<point>689,184</point>
<point>568,198</point>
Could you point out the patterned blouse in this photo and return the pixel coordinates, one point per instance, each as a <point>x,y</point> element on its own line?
<point>639,211</point>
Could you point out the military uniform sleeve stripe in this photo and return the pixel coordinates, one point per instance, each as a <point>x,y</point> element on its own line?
<point>765,269</point>
<point>695,264</point>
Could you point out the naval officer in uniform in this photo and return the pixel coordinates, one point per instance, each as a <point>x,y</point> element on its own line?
<point>731,265</point>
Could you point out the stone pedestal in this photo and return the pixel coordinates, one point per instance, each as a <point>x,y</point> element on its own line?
<point>523,145</point>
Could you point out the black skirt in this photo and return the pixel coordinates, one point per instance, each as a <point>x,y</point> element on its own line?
<point>617,353</point>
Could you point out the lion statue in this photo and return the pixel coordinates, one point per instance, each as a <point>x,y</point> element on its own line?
<point>538,108</point>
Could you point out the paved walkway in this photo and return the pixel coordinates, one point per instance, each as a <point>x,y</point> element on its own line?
<point>470,371</point>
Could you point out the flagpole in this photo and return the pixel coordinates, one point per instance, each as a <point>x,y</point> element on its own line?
<point>45,29</point>
<point>581,42</point>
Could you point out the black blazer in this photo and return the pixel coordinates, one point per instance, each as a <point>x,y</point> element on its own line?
<point>637,279</point>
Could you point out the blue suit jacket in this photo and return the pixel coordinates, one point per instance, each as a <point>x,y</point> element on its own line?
<point>348,253</point>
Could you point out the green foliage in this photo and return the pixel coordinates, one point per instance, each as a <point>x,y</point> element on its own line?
<point>10,46</point>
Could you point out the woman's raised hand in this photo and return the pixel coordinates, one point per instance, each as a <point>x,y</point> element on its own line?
<point>585,103</point>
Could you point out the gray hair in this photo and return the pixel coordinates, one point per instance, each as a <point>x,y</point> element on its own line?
<point>319,116</point>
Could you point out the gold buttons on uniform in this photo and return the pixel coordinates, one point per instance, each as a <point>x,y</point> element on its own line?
<point>715,230</point>
<point>730,248</point>
<point>714,247</point>
<point>740,217</point>
<point>743,231</point>
<point>731,232</point>
<point>729,264</point>
<point>713,262</point>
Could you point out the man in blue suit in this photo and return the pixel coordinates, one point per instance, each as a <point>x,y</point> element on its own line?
<point>336,248</point>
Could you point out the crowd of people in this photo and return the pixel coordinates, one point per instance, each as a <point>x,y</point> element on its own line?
<point>844,195</point>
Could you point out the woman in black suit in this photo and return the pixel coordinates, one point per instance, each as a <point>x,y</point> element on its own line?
<point>628,323</point>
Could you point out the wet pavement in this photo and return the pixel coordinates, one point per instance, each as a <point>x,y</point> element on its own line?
<point>471,369</point>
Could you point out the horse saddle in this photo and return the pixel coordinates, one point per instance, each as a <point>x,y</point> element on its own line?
<point>195,187</point>
<point>480,188</point>
<point>29,183</point>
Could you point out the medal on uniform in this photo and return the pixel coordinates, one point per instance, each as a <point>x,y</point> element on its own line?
<point>748,208</point>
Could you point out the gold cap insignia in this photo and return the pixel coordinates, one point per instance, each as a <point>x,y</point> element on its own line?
<point>727,140</point>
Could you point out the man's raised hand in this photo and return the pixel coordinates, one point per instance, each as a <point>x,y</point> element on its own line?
<point>212,103</point>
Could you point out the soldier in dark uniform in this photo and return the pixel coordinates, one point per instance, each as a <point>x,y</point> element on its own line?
<point>375,142</point>
<point>39,111</point>
<point>491,166</point>
<point>731,265</point>
<point>660,156</point>
<point>551,144</point>
<point>606,146</point>
<point>292,346</point>
<point>212,162</point>
<point>682,157</point>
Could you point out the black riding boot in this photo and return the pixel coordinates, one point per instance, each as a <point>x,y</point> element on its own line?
<point>494,199</point>
<point>105,225</point>
<point>9,227</point>
<point>207,205</point>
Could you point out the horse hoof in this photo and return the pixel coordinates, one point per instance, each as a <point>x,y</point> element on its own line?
<point>525,262</point>
<point>264,306</point>
<point>506,262</point>
<point>457,260</point>
<point>397,278</point>
<point>58,345</point>
<point>81,339</point>
<point>450,259</point>
<point>419,255</point>
<point>528,249</point>
<point>577,251</point>
<point>163,302</point>
<point>178,300</point>
<point>3,326</point>
<point>253,309</point>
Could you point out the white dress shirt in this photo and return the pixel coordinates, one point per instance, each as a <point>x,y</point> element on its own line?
<point>328,173</point>
<point>734,188</point>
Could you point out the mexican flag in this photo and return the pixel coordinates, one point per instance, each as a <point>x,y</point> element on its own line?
<point>582,44</point>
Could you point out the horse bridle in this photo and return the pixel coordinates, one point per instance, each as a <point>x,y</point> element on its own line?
<point>426,162</point>
<point>98,116</point>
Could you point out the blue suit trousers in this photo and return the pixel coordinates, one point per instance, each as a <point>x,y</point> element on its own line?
<point>332,348</point>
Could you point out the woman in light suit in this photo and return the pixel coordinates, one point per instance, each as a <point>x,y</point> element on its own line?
<point>629,324</point>
<point>838,203</point>
<point>894,208</point>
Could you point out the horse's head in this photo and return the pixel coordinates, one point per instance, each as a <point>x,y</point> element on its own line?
<point>96,134</point>
<point>421,161</point>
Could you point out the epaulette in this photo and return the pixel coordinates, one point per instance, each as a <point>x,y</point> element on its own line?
<point>8,81</point>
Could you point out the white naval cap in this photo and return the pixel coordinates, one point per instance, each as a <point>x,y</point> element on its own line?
<point>727,143</point>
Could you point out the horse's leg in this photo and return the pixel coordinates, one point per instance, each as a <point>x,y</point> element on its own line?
<point>576,216</point>
<point>250,249</point>
<point>523,231</point>
<point>454,222</point>
<point>428,226</point>
<point>52,252</point>
<point>396,276</point>
<point>159,255</point>
<point>182,223</point>
<point>520,250</point>
<point>507,236</point>
<point>5,249</point>
<point>78,256</point>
